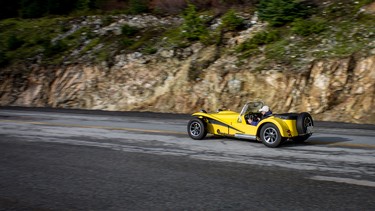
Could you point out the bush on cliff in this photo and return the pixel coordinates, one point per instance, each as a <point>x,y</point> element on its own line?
<point>231,22</point>
<point>128,30</point>
<point>14,42</point>
<point>280,12</point>
<point>308,27</point>
<point>251,46</point>
<point>193,28</point>
<point>138,6</point>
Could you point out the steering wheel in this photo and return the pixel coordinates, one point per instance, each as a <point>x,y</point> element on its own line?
<point>251,116</point>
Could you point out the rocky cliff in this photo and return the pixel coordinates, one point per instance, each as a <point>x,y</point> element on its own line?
<point>334,90</point>
<point>187,79</point>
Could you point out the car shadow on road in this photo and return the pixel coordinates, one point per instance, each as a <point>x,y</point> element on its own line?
<point>320,140</point>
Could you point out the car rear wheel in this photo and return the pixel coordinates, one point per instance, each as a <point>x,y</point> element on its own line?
<point>270,135</point>
<point>305,123</point>
<point>197,129</point>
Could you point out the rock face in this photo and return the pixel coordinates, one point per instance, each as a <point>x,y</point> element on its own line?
<point>332,90</point>
<point>185,80</point>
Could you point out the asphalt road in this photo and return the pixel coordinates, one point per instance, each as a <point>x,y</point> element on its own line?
<point>91,160</point>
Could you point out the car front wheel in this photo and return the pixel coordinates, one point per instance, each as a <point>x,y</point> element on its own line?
<point>270,135</point>
<point>196,129</point>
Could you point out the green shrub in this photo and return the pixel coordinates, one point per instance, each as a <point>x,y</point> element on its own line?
<point>91,45</point>
<point>126,42</point>
<point>149,50</point>
<point>55,48</point>
<point>261,38</point>
<point>250,52</point>
<point>251,47</point>
<point>102,56</point>
<point>128,30</point>
<point>278,51</point>
<point>82,5</point>
<point>280,12</point>
<point>108,19</point>
<point>307,27</point>
<point>193,27</point>
<point>231,21</point>
<point>213,38</point>
<point>138,6</point>
<point>13,42</point>
<point>32,9</point>
<point>40,8</point>
<point>174,38</point>
<point>265,37</point>
<point>64,28</point>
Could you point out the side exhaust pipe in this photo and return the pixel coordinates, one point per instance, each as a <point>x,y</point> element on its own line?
<point>243,136</point>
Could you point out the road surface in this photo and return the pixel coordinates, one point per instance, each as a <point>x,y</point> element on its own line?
<point>55,159</point>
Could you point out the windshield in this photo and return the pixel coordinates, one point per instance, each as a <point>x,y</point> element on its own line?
<point>251,107</point>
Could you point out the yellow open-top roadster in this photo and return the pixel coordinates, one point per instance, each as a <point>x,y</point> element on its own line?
<point>272,131</point>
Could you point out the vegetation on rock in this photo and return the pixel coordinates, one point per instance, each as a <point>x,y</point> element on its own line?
<point>101,54</point>
<point>280,12</point>
<point>231,21</point>
<point>193,28</point>
<point>297,32</point>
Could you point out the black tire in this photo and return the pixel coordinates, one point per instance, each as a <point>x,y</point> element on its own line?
<point>304,120</point>
<point>196,129</point>
<point>300,139</point>
<point>270,135</point>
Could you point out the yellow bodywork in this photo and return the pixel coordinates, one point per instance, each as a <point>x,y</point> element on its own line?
<point>229,123</point>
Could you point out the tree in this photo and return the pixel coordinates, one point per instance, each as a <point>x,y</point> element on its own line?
<point>280,12</point>
<point>40,8</point>
<point>231,21</point>
<point>138,6</point>
<point>82,5</point>
<point>193,27</point>
<point>61,7</point>
<point>33,8</point>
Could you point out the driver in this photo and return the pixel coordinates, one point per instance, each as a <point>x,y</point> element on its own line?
<point>265,111</point>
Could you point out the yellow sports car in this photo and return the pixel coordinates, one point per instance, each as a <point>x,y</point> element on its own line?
<point>251,124</point>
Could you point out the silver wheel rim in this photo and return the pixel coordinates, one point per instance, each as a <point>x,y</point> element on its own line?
<point>270,135</point>
<point>195,129</point>
<point>307,122</point>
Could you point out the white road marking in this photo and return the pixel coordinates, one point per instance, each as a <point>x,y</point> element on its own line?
<point>344,180</point>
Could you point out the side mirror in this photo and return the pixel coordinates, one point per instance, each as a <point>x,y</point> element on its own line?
<point>239,119</point>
